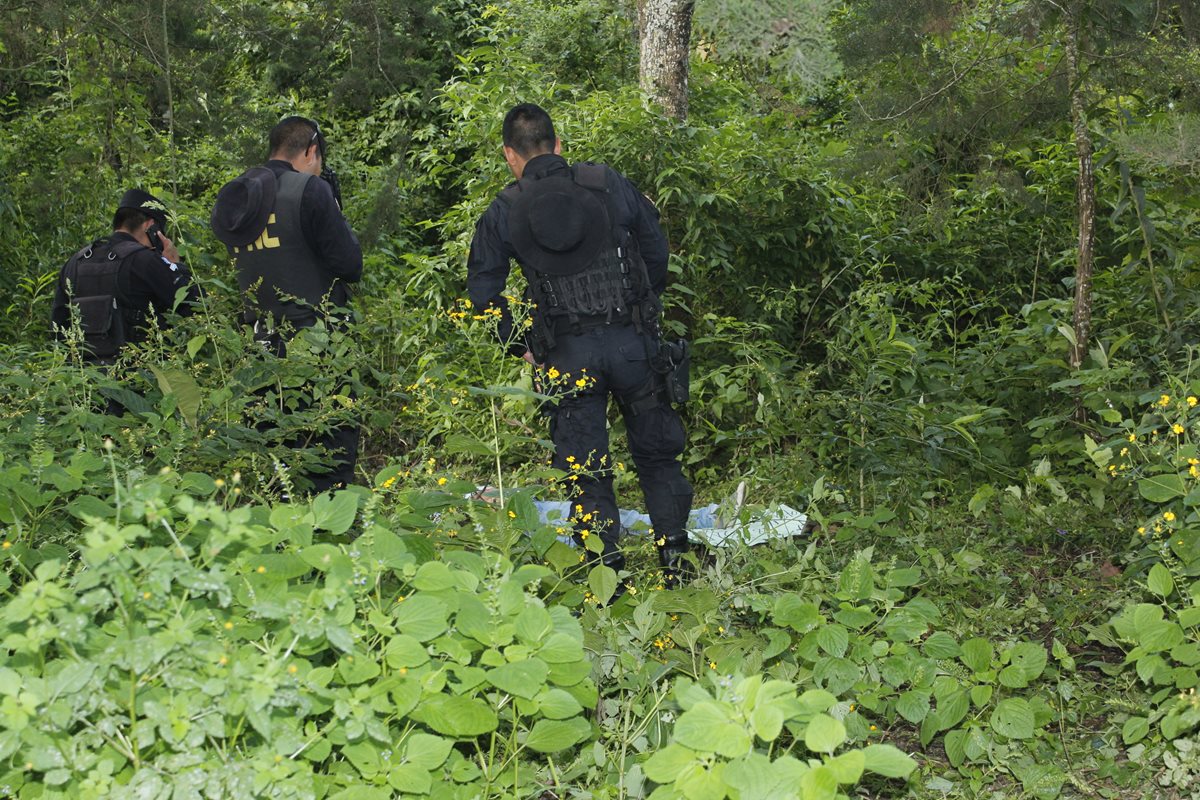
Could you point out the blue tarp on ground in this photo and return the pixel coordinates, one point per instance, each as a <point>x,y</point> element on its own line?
<point>707,525</point>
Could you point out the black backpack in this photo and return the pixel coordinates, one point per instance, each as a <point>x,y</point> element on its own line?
<point>91,278</point>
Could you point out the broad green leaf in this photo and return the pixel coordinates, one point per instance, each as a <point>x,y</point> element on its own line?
<point>520,678</point>
<point>194,344</point>
<point>951,709</point>
<point>819,783</point>
<point>558,704</point>
<point>1042,781</point>
<point>833,639</point>
<point>848,767</point>
<point>356,669</point>
<point>903,577</point>
<point>533,625</point>
<point>181,384</point>
<point>837,675</point>
<point>1135,729</point>
<point>434,576</point>
<point>335,514</point>
<point>405,651</point>
<point>767,721</point>
<point>561,648</point>
<point>328,558</point>
<point>888,761</point>
<point>364,756</point>
<point>941,645</point>
<point>426,750</point>
<point>421,616</point>
<point>706,726</point>
<point>956,743</point>
<point>411,779</point>
<point>796,613</point>
<point>857,581</point>
<point>602,581</point>
<point>1162,488</point>
<point>553,735</point>
<point>1160,581</point>
<point>1013,718</point>
<point>756,776</point>
<point>668,763</point>
<point>977,654</point>
<point>824,734</point>
<point>913,705</point>
<point>698,783</point>
<point>454,715</point>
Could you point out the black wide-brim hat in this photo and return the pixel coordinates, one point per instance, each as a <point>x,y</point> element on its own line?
<point>145,202</point>
<point>557,226</point>
<point>243,207</point>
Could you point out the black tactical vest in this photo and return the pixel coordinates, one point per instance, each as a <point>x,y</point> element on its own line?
<point>92,282</point>
<point>607,289</point>
<point>288,280</point>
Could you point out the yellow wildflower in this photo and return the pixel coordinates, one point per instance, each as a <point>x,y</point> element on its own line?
<point>1176,429</point>
<point>441,481</point>
<point>1191,401</point>
<point>1165,400</point>
<point>1169,516</point>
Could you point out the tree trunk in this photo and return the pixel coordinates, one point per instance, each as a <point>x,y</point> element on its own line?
<point>666,32</point>
<point>1085,194</point>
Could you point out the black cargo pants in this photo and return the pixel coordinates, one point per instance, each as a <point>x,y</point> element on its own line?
<point>612,359</point>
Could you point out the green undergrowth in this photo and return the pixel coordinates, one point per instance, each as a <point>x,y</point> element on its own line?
<point>402,641</point>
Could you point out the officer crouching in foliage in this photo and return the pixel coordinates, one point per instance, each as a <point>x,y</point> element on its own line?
<point>295,254</point>
<point>595,262</point>
<point>113,284</point>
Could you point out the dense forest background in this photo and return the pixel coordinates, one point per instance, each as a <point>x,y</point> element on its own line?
<point>938,262</point>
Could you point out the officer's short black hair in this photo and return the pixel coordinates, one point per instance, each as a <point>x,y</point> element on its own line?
<point>129,219</point>
<point>292,136</point>
<point>528,130</point>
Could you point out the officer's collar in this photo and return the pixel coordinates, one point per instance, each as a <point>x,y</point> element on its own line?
<point>543,165</point>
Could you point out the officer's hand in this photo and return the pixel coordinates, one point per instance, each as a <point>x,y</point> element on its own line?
<point>168,248</point>
<point>529,357</point>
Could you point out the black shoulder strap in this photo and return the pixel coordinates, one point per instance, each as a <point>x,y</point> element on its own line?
<point>510,193</point>
<point>591,176</point>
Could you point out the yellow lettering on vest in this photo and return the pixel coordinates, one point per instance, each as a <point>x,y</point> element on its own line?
<point>265,239</point>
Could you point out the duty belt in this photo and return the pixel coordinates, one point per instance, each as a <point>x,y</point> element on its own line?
<point>580,322</point>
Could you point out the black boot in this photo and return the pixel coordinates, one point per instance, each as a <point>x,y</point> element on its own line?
<point>676,569</point>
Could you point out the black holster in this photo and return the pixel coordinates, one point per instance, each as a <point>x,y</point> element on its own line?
<point>676,360</point>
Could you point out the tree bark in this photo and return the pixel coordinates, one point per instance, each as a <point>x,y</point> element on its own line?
<point>1085,194</point>
<point>665,39</point>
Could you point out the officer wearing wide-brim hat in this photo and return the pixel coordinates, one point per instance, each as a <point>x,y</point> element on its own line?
<point>595,262</point>
<point>114,283</point>
<point>295,256</point>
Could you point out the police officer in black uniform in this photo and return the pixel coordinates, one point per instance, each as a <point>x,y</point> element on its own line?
<point>595,260</point>
<point>295,254</point>
<point>115,282</point>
